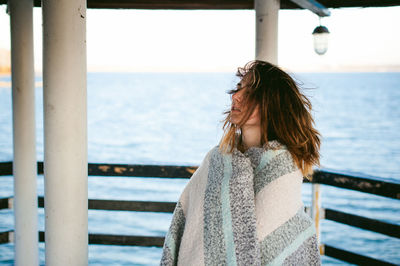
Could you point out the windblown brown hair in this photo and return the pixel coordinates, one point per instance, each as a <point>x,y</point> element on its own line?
<point>285,114</point>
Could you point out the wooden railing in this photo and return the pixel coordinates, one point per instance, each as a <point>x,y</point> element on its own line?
<point>376,186</point>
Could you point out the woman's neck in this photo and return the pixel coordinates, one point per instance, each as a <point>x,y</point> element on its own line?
<point>251,136</point>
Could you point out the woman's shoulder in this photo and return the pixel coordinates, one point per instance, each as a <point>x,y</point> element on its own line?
<point>206,159</point>
<point>214,150</point>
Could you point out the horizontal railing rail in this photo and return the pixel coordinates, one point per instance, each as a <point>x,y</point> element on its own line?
<point>352,257</point>
<point>377,226</point>
<point>5,237</point>
<point>147,241</point>
<point>129,170</point>
<point>6,168</point>
<point>376,186</point>
<point>102,239</point>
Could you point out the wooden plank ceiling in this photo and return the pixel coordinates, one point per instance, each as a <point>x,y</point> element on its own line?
<point>220,4</point>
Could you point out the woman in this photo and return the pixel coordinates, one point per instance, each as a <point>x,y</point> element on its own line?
<point>243,204</point>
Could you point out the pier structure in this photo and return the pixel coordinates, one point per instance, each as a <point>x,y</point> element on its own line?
<point>65,132</point>
<point>65,112</point>
<point>25,203</point>
<point>267,30</point>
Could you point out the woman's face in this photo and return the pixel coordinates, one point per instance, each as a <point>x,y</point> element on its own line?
<point>238,110</point>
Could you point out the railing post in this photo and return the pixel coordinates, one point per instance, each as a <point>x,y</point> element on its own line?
<point>316,212</point>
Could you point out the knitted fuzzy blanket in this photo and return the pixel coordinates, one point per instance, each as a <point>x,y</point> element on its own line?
<point>242,209</point>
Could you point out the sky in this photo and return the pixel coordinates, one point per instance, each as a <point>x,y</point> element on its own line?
<point>361,39</point>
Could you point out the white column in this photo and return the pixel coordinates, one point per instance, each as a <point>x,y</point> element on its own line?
<point>65,132</point>
<point>24,136</point>
<point>267,30</point>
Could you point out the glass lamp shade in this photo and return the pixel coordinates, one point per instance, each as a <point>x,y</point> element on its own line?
<point>320,35</point>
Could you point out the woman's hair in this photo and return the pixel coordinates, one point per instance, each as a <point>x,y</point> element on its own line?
<point>285,114</point>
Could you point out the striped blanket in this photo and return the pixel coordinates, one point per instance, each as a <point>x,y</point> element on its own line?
<point>242,209</point>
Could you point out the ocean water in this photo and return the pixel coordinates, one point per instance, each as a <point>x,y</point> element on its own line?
<point>174,118</point>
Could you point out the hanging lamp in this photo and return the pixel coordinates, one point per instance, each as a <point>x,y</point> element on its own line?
<point>321,34</point>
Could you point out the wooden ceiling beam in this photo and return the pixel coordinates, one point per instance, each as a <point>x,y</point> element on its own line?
<point>219,4</point>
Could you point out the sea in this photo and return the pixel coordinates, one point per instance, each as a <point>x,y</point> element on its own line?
<point>175,119</point>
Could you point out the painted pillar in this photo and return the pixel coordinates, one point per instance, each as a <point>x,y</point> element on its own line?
<point>65,132</point>
<point>267,30</point>
<point>25,204</point>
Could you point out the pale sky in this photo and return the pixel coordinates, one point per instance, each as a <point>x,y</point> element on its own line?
<point>177,40</point>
